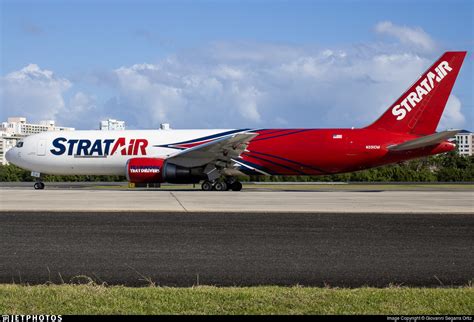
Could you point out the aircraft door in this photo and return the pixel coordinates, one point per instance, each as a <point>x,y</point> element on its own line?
<point>41,148</point>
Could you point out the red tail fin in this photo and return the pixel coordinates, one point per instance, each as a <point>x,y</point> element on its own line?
<point>419,109</point>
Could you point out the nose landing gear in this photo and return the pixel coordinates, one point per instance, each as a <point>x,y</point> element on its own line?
<point>38,185</point>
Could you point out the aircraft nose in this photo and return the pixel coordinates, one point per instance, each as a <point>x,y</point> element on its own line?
<point>9,156</point>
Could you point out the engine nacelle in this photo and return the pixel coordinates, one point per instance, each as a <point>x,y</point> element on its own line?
<point>145,170</point>
<point>157,170</point>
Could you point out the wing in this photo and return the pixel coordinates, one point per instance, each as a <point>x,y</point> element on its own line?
<point>220,151</point>
<point>424,141</point>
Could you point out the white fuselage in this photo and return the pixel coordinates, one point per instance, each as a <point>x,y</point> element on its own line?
<point>98,152</point>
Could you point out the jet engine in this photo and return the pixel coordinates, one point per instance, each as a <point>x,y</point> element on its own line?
<point>157,170</point>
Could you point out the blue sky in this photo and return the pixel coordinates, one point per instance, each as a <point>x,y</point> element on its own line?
<point>226,63</point>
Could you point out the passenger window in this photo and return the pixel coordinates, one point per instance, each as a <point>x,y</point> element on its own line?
<point>19,144</point>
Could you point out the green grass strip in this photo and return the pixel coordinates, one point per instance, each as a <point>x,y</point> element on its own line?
<point>95,299</point>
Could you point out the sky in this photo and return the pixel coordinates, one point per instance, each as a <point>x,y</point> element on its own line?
<point>227,64</point>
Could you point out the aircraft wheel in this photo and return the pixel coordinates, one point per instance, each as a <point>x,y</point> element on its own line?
<point>38,186</point>
<point>206,186</point>
<point>236,186</point>
<point>220,186</point>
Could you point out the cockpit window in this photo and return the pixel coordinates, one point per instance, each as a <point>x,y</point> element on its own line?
<point>19,144</point>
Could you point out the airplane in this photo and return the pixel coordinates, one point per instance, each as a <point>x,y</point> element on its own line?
<point>216,157</point>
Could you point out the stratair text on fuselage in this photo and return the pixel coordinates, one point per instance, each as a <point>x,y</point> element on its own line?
<point>99,147</point>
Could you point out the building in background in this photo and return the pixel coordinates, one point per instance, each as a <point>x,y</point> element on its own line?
<point>165,126</point>
<point>6,143</point>
<point>16,128</point>
<point>112,125</point>
<point>464,142</point>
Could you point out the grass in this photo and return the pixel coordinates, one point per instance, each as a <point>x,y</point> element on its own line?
<point>97,299</point>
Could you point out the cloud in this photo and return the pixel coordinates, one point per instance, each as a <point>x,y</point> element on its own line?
<point>234,85</point>
<point>186,94</point>
<point>298,87</point>
<point>32,92</point>
<point>415,37</point>
<point>452,116</point>
<point>39,94</point>
<point>80,111</point>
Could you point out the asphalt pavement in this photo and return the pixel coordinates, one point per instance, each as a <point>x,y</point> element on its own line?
<point>232,248</point>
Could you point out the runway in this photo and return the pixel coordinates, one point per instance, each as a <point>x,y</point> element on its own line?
<point>191,248</point>
<point>373,200</point>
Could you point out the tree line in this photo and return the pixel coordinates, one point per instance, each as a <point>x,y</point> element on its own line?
<point>449,167</point>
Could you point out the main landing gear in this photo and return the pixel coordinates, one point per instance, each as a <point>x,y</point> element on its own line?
<point>207,186</point>
<point>218,185</point>
<point>236,186</point>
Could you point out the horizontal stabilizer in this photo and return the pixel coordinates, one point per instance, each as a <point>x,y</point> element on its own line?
<point>424,141</point>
